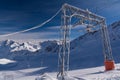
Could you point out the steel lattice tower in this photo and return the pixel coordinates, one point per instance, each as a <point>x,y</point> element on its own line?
<point>85,18</point>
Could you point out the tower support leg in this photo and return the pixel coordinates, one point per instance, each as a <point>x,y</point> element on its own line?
<point>109,65</point>
<point>109,61</point>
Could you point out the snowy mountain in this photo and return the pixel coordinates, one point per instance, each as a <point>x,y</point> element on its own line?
<point>26,54</point>
<point>86,51</point>
<point>12,47</point>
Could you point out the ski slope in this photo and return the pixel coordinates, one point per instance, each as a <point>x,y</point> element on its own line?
<point>96,73</point>
<point>28,60</point>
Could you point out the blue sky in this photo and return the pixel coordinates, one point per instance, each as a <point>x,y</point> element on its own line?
<point>16,15</point>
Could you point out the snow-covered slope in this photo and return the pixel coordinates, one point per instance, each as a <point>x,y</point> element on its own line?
<point>26,54</point>
<point>86,51</point>
<point>95,73</point>
<point>6,61</point>
<point>11,47</point>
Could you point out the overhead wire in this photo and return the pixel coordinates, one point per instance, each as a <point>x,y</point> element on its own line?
<point>35,27</point>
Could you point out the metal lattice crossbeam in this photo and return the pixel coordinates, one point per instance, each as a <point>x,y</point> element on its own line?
<point>85,14</point>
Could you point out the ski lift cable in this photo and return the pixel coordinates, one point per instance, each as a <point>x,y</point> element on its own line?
<point>35,27</point>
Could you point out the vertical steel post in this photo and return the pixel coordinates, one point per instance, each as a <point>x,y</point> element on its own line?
<point>107,51</point>
<point>65,45</point>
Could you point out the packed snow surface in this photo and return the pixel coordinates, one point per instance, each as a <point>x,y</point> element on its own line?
<point>96,73</point>
<point>6,61</point>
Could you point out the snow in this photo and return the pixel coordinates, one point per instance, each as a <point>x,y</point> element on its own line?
<point>24,46</point>
<point>11,46</point>
<point>38,60</point>
<point>67,78</point>
<point>6,61</point>
<point>95,73</point>
<point>45,77</point>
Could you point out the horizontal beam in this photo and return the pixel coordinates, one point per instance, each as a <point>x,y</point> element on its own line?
<point>84,13</point>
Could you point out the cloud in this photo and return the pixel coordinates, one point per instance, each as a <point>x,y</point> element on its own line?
<point>45,34</point>
<point>50,33</point>
<point>27,36</point>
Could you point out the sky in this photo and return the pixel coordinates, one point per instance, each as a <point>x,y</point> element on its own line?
<point>17,15</point>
